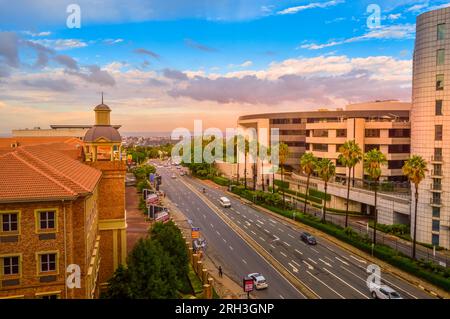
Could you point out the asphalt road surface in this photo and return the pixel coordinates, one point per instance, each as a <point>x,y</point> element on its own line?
<point>329,271</point>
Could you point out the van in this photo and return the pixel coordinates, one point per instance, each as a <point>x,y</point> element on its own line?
<point>225,202</point>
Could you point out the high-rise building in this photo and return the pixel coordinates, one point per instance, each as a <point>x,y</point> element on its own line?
<point>430,124</point>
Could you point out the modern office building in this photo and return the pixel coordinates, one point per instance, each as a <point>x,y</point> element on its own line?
<point>430,124</point>
<point>62,206</point>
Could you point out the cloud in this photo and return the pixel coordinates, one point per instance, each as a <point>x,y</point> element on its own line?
<point>401,31</point>
<point>66,61</point>
<point>94,74</point>
<point>37,34</point>
<point>318,80</point>
<point>112,41</point>
<point>195,45</point>
<point>313,5</point>
<point>417,7</point>
<point>246,64</point>
<point>394,16</point>
<point>174,75</point>
<point>147,52</point>
<point>57,85</point>
<point>61,44</point>
<point>9,48</point>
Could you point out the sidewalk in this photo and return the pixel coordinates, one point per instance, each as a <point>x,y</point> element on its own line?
<point>137,226</point>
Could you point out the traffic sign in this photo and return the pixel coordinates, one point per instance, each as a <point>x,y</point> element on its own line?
<point>248,284</point>
<point>195,232</point>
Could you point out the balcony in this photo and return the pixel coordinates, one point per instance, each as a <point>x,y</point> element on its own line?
<point>437,202</point>
<point>437,159</point>
<point>436,187</point>
<point>436,173</point>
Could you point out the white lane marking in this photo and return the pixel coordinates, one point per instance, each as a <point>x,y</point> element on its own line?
<point>260,222</point>
<point>291,236</point>
<point>329,259</point>
<point>231,247</point>
<point>262,239</point>
<point>294,269</point>
<point>281,297</point>
<point>238,222</point>
<point>244,216</point>
<point>325,285</point>
<point>276,238</point>
<point>217,232</point>
<point>342,261</point>
<point>224,240</point>
<point>283,254</point>
<point>232,217</point>
<point>253,232</point>
<point>281,230</point>
<point>204,216</point>
<point>272,221</point>
<point>326,263</point>
<point>298,251</point>
<point>238,213</point>
<point>267,231</point>
<point>309,266</point>
<point>258,225</point>
<point>247,223</point>
<point>245,227</point>
<point>232,209</point>
<point>272,246</point>
<point>343,281</point>
<point>212,226</point>
<point>315,250</point>
<point>286,244</point>
<point>243,260</point>
<point>295,263</point>
<point>250,220</point>
<point>315,262</point>
<point>357,259</point>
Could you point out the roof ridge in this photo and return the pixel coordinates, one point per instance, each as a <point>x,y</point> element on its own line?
<point>43,173</point>
<point>54,169</point>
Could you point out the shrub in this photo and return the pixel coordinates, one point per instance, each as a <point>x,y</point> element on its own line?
<point>318,194</point>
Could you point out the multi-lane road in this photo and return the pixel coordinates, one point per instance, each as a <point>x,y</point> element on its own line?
<point>326,269</point>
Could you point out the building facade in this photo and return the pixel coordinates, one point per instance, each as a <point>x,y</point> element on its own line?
<point>78,131</point>
<point>62,208</point>
<point>430,124</point>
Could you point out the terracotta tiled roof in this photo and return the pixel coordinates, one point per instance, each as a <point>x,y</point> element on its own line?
<point>44,172</point>
<point>6,142</point>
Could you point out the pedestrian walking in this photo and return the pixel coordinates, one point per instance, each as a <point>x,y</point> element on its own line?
<point>220,272</point>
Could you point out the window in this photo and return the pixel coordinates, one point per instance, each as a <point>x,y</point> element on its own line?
<point>296,121</point>
<point>47,262</point>
<point>341,133</point>
<point>440,57</point>
<point>320,147</point>
<point>54,296</point>
<point>437,154</point>
<point>399,148</point>
<point>441,31</point>
<point>294,144</point>
<point>292,132</point>
<point>397,164</point>
<point>437,170</point>
<point>372,133</point>
<point>9,222</point>
<point>281,121</point>
<point>369,147</point>
<point>320,133</point>
<point>435,239</point>
<point>399,132</point>
<point>46,220</point>
<point>10,265</point>
<point>436,212</point>
<point>440,82</point>
<point>438,107</point>
<point>435,224</point>
<point>438,132</point>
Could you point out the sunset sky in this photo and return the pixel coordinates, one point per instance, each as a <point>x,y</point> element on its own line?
<point>164,63</point>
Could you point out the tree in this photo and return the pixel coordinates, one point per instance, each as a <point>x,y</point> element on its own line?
<point>254,150</point>
<point>350,156</point>
<point>269,153</point>
<point>325,170</point>
<point>307,165</point>
<point>119,285</point>
<point>373,161</point>
<point>263,154</point>
<point>171,239</point>
<point>283,155</point>
<point>415,168</point>
<point>246,150</point>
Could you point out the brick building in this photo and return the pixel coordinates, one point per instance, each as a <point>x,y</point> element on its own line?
<point>62,203</point>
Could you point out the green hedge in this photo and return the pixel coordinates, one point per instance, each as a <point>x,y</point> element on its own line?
<point>221,180</point>
<point>318,194</point>
<point>282,184</point>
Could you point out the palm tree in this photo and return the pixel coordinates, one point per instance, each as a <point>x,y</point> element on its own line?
<point>262,151</point>
<point>269,154</point>
<point>246,150</point>
<point>283,155</point>
<point>254,148</point>
<point>326,170</point>
<point>415,168</point>
<point>373,160</point>
<point>351,155</point>
<point>307,165</point>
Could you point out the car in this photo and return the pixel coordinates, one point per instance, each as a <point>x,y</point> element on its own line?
<point>173,176</point>
<point>225,202</point>
<point>383,292</point>
<point>182,173</point>
<point>308,238</point>
<point>259,282</point>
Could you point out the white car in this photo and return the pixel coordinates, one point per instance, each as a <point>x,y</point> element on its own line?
<point>225,202</point>
<point>174,176</point>
<point>259,281</point>
<point>383,292</point>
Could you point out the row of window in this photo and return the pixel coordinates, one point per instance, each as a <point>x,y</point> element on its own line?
<point>46,221</point>
<point>11,265</point>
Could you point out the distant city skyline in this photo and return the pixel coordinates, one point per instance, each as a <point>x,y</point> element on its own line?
<point>164,65</point>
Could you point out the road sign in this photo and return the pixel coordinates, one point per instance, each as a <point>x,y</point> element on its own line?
<point>195,232</point>
<point>248,284</point>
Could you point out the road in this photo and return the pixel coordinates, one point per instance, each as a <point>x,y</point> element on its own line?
<point>328,270</point>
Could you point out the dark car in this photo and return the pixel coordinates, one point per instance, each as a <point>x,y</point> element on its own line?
<point>308,238</point>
